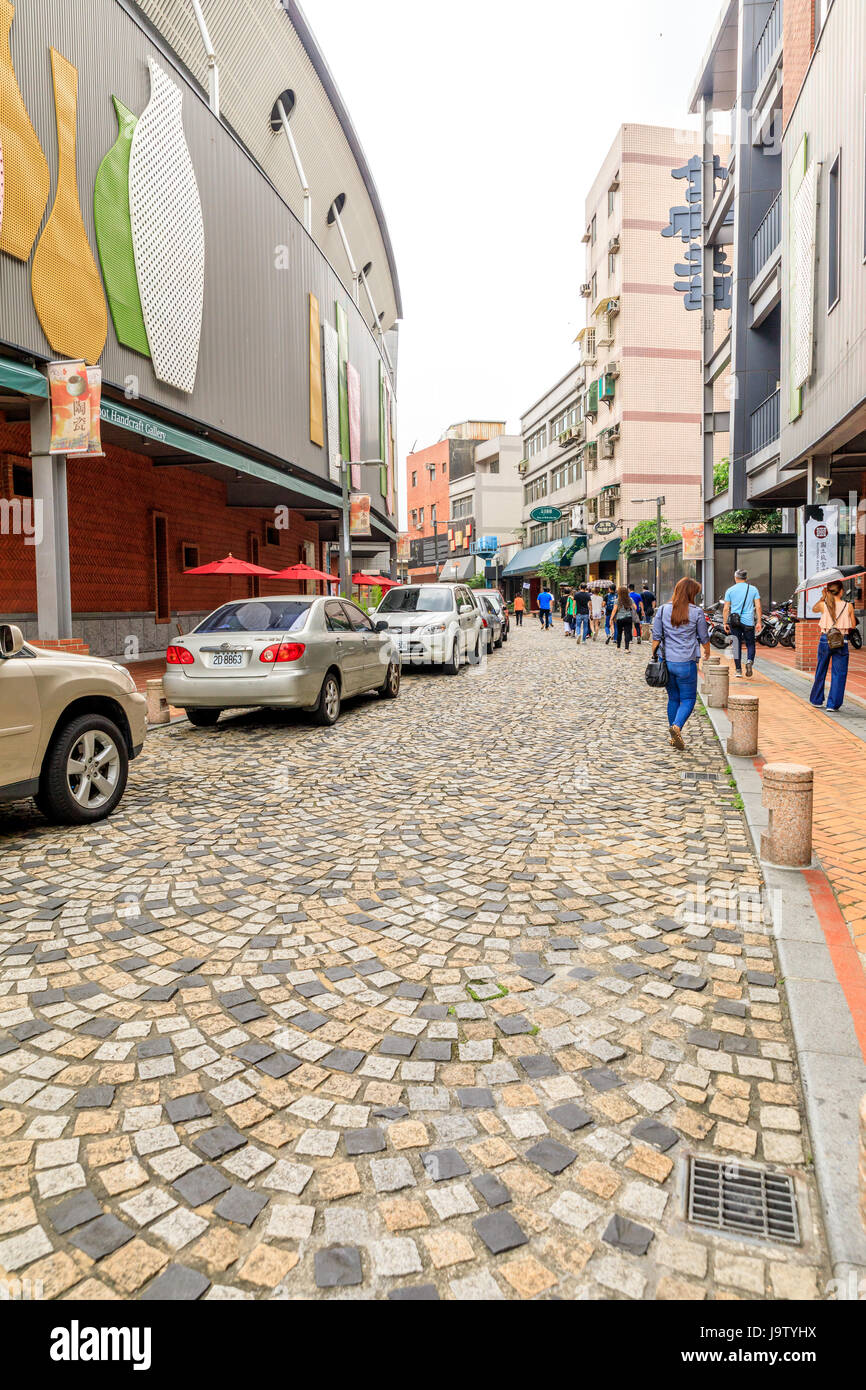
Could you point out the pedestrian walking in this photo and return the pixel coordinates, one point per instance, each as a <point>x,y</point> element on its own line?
<point>637,600</point>
<point>648,600</point>
<point>609,605</point>
<point>596,613</point>
<point>623,617</point>
<point>582,604</point>
<point>568,616</point>
<point>742,618</point>
<point>545,603</point>
<point>836,620</point>
<point>563,602</point>
<point>519,609</point>
<point>682,627</point>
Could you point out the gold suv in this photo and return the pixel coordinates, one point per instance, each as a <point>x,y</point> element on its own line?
<point>69,726</point>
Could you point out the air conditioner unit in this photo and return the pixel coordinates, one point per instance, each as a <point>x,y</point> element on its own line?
<point>587,236</point>
<point>523,466</point>
<point>613,244</point>
<point>564,438</point>
<point>606,449</point>
<point>586,291</point>
<point>590,456</point>
<point>579,432</point>
<point>612,370</point>
<point>578,518</point>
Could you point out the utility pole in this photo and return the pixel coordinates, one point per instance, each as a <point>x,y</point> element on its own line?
<point>345,537</point>
<point>659,501</point>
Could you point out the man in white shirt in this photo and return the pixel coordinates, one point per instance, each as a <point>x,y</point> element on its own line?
<point>743,619</point>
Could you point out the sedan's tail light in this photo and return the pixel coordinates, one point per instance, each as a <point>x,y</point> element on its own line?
<point>282,651</point>
<point>484,622</point>
<point>179,656</point>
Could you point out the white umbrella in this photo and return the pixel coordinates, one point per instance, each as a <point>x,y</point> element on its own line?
<point>839,575</point>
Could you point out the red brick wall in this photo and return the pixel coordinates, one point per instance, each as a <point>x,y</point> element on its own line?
<point>426,493</point>
<point>799,20</point>
<point>111,506</point>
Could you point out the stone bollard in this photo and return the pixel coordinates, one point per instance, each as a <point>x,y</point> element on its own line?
<point>708,663</point>
<point>787,794</point>
<point>157,704</point>
<point>743,714</point>
<point>717,686</point>
<point>863,1162</point>
<point>646,632</point>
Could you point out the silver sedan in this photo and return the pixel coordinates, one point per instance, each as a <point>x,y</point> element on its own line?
<point>292,652</point>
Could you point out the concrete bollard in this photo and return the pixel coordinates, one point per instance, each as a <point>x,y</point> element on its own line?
<point>646,632</point>
<point>717,686</point>
<point>787,794</point>
<point>863,1162</point>
<point>157,704</point>
<point>743,714</point>
<point>710,661</point>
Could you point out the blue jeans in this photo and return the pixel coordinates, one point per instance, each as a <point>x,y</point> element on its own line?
<point>544,617</point>
<point>581,625</point>
<point>838,677</point>
<point>682,691</point>
<point>743,635</point>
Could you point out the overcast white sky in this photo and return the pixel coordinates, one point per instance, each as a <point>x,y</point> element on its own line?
<point>484,123</point>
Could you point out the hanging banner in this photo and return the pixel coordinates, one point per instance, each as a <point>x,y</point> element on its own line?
<point>317,430</point>
<point>356,477</point>
<point>403,550</point>
<point>70,408</point>
<point>330,349</point>
<point>353,385</point>
<point>359,514</point>
<point>94,386</point>
<point>817,547</point>
<point>693,540</point>
<point>343,362</point>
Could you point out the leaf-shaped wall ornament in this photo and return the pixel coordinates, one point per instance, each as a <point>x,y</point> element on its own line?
<point>114,235</point>
<point>25,168</point>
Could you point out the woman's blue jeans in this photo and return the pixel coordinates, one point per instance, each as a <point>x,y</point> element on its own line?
<point>838,677</point>
<point>682,691</point>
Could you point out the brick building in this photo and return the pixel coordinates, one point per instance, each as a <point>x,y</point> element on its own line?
<point>428,474</point>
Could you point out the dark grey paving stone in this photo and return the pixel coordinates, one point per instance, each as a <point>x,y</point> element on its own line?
<point>390,1112</point>
<point>343,1059</point>
<point>154,1047</point>
<point>94,1098</point>
<point>74,1211</point>
<point>201,1185</point>
<point>248,1013</point>
<point>193,1107</point>
<point>47,996</point>
<point>432,1011</point>
<point>475,1098</point>
<point>187,964</point>
<point>658,1135</point>
<point>581,972</point>
<point>433,1051</point>
<point>102,1236</point>
<point>308,1021</point>
<point>394,1046</point>
<point>308,989</point>
<point>364,1141</point>
<point>627,1235</point>
<point>745,1047</point>
<point>725,934</point>
<point>160,994</point>
<point>99,1027</point>
<point>653,948</point>
<point>213,1143</point>
<point>629,971</point>
<point>761,977</point>
<point>279,1064</point>
<point>563,943</point>
<point>132,963</point>
<point>369,967</point>
<point>539,1066</point>
<point>569,915</point>
<point>235,997</point>
<point>410,991</point>
<point>278,967</point>
<point>263,943</point>
<point>442,1164</point>
<point>602,1078</point>
<point>33,1028</point>
<point>192,982</point>
<point>550,1155</point>
<point>527,959</point>
<point>415,1293</point>
<point>692,982</point>
<point>570,1116</point>
<point>177,1284</point>
<point>702,1037</point>
<point>500,1232</point>
<point>494,1192</point>
<point>241,1205</point>
<point>338,972</point>
<point>253,1052</point>
<point>536,974</point>
<point>734,1008</point>
<point>338,1267</point>
<point>513,1025</point>
<point>700,944</point>
<point>8,1045</point>
<point>124,934</point>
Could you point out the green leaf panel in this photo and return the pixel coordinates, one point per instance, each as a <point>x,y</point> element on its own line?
<point>114,236</point>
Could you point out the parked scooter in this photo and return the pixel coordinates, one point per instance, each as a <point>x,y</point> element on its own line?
<point>771,626</point>
<point>715,626</point>
<point>788,624</point>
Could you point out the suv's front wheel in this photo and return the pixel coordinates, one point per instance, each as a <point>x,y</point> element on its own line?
<point>85,770</point>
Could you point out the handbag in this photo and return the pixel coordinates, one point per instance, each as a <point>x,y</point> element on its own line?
<point>656,674</point>
<point>855,638</point>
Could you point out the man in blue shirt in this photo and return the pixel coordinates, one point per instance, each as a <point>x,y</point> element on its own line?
<point>742,618</point>
<point>545,603</point>
<point>637,600</point>
<point>609,605</point>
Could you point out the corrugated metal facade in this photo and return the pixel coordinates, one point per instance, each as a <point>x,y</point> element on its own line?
<point>830,113</point>
<point>253,370</point>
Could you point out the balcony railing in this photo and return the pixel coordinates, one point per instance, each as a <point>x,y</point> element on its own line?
<point>767,237</point>
<point>765,423</point>
<point>768,42</point>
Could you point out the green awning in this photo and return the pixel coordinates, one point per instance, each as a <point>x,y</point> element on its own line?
<point>604,553</point>
<point>527,561</point>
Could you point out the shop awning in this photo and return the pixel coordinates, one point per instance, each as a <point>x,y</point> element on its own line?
<point>455,570</point>
<point>527,561</point>
<point>606,305</point>
<point>605,552</point>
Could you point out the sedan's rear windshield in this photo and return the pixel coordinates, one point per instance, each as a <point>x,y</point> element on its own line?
<point>257,615</point>
<point>429,598</point>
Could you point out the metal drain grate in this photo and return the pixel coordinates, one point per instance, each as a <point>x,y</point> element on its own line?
<point>742,1200</point>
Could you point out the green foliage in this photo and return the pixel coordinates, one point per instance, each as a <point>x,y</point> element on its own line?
<point>552,574</point>
<point>643,537</point>
<point>477,582</point>
<point>744,519</point>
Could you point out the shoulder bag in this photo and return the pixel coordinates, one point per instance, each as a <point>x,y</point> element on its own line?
<point>656,674</point>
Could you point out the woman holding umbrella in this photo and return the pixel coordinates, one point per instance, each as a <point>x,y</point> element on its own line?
<point>836,621</point>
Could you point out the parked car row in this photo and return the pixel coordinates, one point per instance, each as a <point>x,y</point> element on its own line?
<point>69,724</point>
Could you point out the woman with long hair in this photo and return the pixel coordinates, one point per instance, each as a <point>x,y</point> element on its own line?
<point>623,617</point>
<point>836,621</point>
<point>682,629</point>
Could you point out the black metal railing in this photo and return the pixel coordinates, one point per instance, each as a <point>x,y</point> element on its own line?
<point>765,423</point>
<point>768,236</point>
<point>768,42</point>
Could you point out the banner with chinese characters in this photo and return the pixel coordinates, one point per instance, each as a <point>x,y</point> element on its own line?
<point>359,514</point>
<point>94,384</point>
<point>70,408</point>
<point>693,540</point>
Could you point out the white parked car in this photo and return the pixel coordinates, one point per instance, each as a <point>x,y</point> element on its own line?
<point>434,624</point>
<point>290,653</point>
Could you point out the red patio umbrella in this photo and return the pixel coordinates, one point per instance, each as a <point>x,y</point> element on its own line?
<point>229,565</point>
<point>306,572</point>
<point>373,581</point>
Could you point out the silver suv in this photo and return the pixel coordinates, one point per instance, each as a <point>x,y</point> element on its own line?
<point>434,624</point>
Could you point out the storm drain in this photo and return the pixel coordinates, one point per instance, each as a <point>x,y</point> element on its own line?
<point>743,1201</point>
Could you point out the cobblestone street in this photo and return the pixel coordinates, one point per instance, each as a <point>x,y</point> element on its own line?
<point>429,1004</point>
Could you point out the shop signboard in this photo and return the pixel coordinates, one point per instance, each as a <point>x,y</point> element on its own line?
<point>545,514</point>
<point>693,540</point>
<point>359,514</point>
<point>817,545</point>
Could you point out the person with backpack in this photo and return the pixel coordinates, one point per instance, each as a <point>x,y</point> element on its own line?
<point>637,600</point>
<point>568,615</point>
<point>623,617</point>
<point>648,600</point>
<point>742,618</point>
<point>680,628</point>
<point>545,603</point>
<point>836,621</point>
<point>609,605</point>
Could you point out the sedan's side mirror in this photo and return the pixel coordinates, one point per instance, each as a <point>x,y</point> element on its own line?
<point>381,625</point>
<point>11,639</point>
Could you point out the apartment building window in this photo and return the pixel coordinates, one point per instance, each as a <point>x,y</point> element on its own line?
<point>594,295</point>
<point>493,466</point>
<point>593,230</point>
<point>565,474</point>
<point>414,479</point>
<point>834,232</point>
<point>534,491</point>
<point>414,516</point>
<point>536,442</point>
<point>566,420</point>
<point>420,516</point>
<point>460,507</point>
<point>433,514</point>
<point>444,469</point>
<point>558,530</point>
<point>611,264</point>
<point>161,600</point>
<point>537,535</point>
<point>611,201</point>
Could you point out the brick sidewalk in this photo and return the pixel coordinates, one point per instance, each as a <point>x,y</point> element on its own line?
<point>792,731</point>
<point>786,657</point>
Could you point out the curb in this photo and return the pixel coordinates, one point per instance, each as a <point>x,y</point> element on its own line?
<point>826,999</point>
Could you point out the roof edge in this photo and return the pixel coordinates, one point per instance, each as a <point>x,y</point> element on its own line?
<point>308,40</point>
